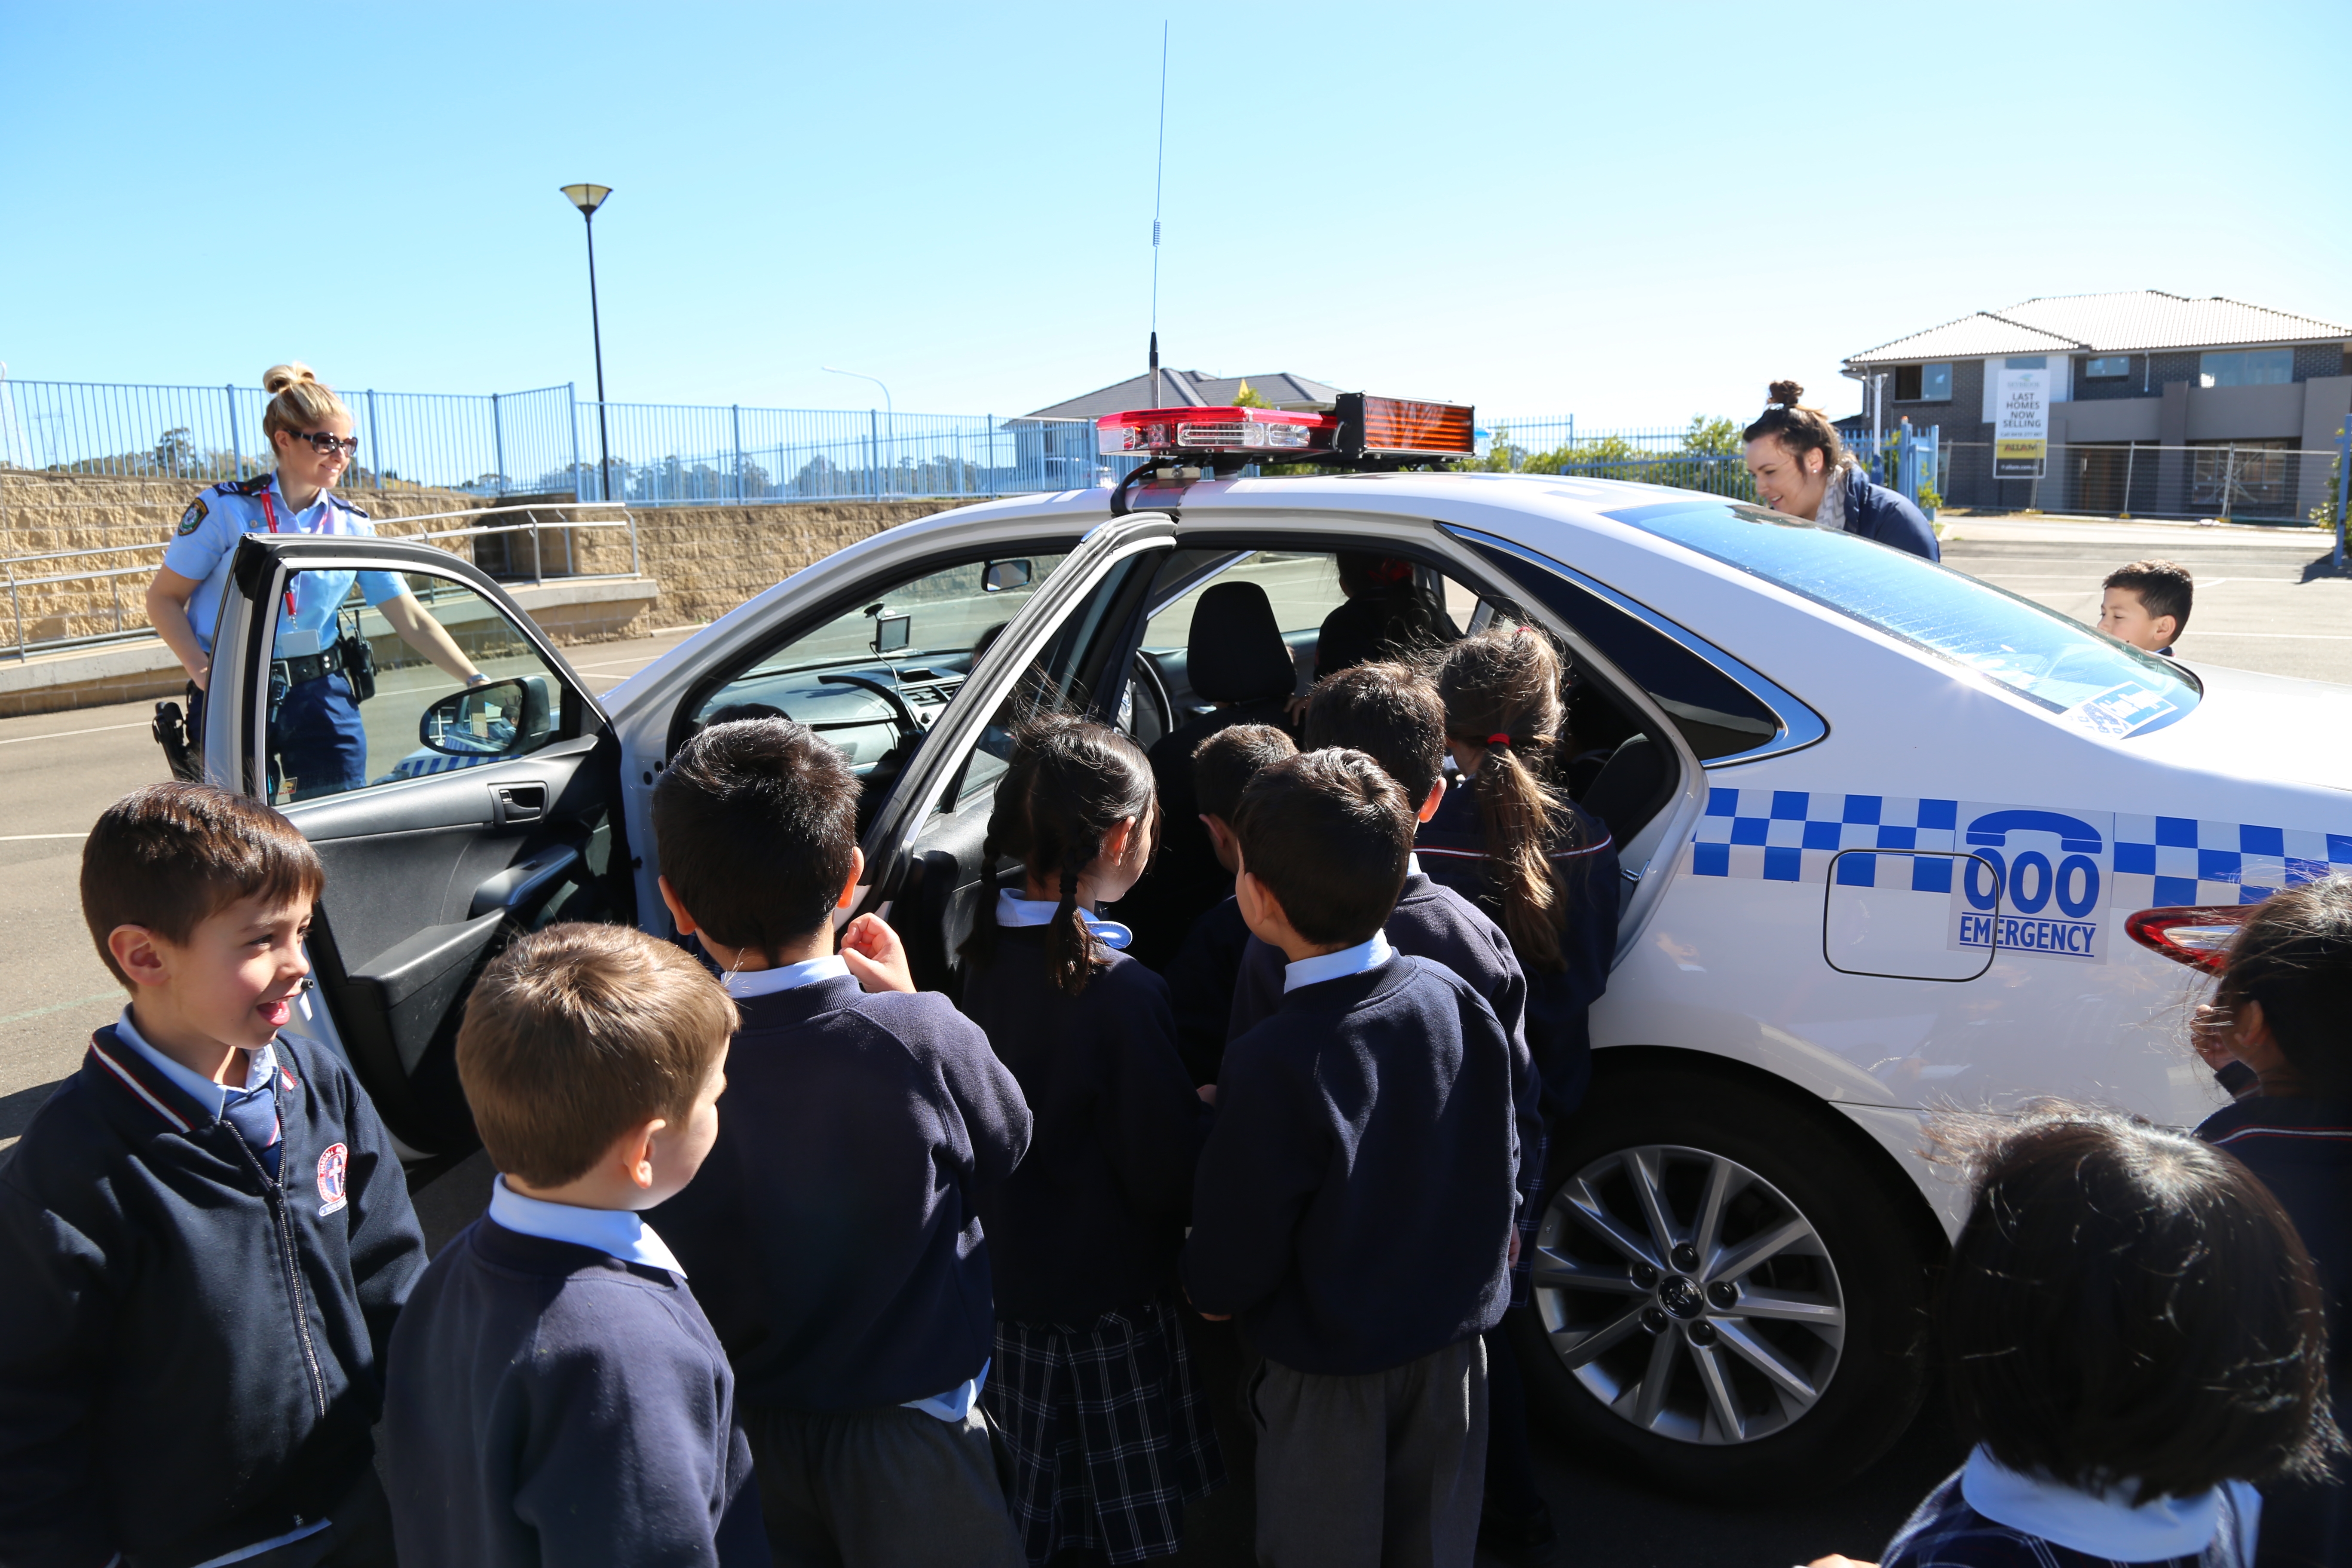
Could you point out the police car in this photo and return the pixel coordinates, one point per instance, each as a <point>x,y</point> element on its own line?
<point>1892,838</point>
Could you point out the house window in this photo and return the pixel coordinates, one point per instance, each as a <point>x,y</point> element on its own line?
<point>2246,367</point>
<point>1922,383</point>
<point>2109,367</point>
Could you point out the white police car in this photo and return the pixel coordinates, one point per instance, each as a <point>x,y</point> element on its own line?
<point>1893,839</point>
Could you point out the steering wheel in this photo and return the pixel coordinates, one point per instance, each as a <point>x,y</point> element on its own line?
<point>911,729</point>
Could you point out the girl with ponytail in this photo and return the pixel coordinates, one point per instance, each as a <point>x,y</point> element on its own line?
<point>1091,1377</point>
<point>1509,837</point>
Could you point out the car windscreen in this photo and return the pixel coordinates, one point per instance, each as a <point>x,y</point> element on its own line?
<point>2051,661</point>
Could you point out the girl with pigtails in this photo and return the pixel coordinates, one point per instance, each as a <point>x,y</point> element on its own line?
<point>1091,1385</point>
<point>1507,837</point>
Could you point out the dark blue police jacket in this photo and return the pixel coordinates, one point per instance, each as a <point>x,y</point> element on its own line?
<point>1877,512</point>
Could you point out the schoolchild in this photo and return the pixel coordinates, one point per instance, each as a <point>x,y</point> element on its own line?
<point>2282,1016</point>
<point>2131,1333</point>
<point>1509,837</point>
<point>1355,1201</point>
<point>1092,1386</point>
<point>832,1235</point>
<point>1202,974</point>
<point>2146,603</point>
<point>557,1395</point>
<point>204,1233</point>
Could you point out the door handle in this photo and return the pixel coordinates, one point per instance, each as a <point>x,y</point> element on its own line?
<point>517,803</point>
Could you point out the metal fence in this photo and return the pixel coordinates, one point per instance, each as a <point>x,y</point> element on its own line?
<point>2253,481</point>
<point>483,444</point>
<point>669,454</point>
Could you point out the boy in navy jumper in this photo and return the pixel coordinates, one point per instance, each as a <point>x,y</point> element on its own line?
<point>557,1396</point>
<point>832,1236</point>
<point>2279,1031</point>
<point>205,1233</point>
<point>1202,974</point>
<point>1354,1203</point>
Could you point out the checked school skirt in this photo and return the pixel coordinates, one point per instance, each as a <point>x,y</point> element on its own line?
<point>1109,1433</point>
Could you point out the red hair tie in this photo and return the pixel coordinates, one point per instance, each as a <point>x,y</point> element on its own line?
<point>1498,740</point>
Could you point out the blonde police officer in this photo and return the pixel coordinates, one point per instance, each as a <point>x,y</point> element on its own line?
<point>316,738</point>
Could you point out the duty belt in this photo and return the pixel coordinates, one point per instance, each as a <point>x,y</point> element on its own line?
<point>312,665</point>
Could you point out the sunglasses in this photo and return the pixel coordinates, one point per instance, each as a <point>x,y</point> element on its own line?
<point>348,445</point>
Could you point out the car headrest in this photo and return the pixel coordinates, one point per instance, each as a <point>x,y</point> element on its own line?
<point>1235,653</point>
<point>1631,788</point>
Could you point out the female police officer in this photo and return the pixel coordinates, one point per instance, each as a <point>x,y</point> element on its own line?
<point>315,732</point>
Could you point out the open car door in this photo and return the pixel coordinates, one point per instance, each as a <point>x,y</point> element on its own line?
<point>451,818</point>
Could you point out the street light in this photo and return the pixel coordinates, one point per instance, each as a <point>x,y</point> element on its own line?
<point>890,412</point>
<point>588,198</point>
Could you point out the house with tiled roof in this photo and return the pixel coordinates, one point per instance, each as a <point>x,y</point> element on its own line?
<point>2151,395</point>
<point>1194,389</point>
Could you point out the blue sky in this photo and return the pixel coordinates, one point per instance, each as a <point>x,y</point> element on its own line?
<point>1627,212</point>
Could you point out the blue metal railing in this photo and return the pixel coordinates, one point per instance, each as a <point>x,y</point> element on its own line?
<point>493,445</point>
<point>668,454</point>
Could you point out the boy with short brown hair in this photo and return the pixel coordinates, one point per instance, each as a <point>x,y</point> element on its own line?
<point>206,1232</point>
<point>2146,603</point>
<point>561,1398</point>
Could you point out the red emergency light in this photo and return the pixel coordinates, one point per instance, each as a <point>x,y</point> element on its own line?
<point>2197,936</point>
<point>1361,430</point>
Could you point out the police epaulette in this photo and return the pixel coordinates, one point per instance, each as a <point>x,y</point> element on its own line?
<point>252,486</point>
<point>360,511</point>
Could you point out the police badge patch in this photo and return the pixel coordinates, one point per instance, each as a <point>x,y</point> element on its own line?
<point>193,519</point>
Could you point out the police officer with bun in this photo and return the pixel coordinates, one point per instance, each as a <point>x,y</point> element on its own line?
<point>319,676</point>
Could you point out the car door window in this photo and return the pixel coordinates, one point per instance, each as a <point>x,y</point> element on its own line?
<point>873,678</point>
<point>379,694</point>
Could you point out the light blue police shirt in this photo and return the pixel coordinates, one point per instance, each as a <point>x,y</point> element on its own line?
<point>205,542</point>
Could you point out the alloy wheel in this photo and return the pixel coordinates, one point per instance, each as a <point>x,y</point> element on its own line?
<point>1688,1295</point>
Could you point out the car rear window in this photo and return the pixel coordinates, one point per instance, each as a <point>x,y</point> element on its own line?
<point>2048,660</point>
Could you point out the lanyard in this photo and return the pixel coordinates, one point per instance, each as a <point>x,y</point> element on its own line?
<point>270,513</point>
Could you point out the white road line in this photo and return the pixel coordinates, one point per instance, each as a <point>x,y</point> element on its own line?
<point>61,1006</point>
<point>70,734</point>
<point>2291,637</point>
<point>625,664</point>
<point>28,837</point>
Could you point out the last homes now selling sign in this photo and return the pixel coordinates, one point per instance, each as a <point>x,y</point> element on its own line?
<point>2021,435</point>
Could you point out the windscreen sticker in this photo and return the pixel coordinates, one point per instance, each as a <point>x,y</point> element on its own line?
<point>2059,873</point>
<point>2120,709</point>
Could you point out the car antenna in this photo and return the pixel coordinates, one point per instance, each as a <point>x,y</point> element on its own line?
<point>1159,165</point>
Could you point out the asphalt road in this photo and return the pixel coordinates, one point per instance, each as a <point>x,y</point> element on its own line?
<point>2264,603</point>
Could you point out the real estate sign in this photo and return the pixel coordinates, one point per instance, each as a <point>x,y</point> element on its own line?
<point>2020,433</point>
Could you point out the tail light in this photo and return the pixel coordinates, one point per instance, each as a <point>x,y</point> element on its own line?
<point>2198,936</point>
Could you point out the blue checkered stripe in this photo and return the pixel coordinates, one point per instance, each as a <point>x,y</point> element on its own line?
<point>2171,860</point>
<point>1792,835</point>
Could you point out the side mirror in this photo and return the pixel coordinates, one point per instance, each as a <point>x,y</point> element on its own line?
<point>998,575</point>
<point>504,719</point>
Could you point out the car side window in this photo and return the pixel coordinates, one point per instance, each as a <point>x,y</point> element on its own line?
<point>874,679</point>
<point>379,693</point>
<point>1716,714</point>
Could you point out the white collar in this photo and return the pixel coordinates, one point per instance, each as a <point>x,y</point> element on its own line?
<point>786,977</point>
<point>1012,910</point>
<point>2099,1525</point>
<point>616,1232</point>
<point>212,1097</point>
<point>1336,965</point>
<point>1413,864</point>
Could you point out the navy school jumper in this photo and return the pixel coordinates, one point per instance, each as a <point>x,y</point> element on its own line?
<point>1355,1199</point>
<point>1433,921</point>
<point>1202,979</point>
<point>1453,847</point>
<point>1093,1217</point>
<point>831,1235</point>
<point>191,1351</point>
<point>552,1403</point>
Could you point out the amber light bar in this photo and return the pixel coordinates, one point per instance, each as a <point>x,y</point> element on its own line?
<point>1403,427</point>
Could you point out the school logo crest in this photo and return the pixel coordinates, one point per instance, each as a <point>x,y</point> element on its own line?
<point>194,518</point>
<point>330,1179</point>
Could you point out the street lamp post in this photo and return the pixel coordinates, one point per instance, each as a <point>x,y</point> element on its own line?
<point>588,198</point>
<point>889,412</point>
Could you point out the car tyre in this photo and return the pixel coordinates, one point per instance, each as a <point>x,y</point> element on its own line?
<point>1731,1292</point>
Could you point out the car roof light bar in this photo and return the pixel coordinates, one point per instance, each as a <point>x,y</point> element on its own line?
<point>1361,431</point>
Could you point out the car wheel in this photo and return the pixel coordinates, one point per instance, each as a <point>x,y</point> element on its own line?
<point>1727,1295</point>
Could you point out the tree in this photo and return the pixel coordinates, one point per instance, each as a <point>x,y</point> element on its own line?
<point>1247,398</point>
<point>1715,437</point>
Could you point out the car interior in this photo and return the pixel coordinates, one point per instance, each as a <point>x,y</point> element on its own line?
<point>1220,631</point>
